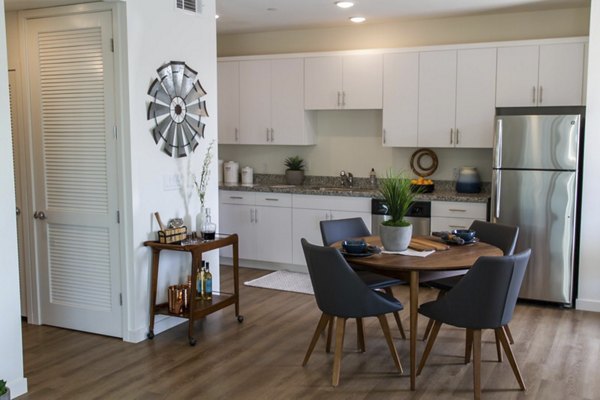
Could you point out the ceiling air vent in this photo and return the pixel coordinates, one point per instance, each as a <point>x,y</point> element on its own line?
<point>191,6</point>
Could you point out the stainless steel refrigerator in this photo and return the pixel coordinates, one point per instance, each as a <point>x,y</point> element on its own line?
<point>535,180</point>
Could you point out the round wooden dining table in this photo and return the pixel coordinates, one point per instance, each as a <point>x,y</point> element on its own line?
<point>453,261</point>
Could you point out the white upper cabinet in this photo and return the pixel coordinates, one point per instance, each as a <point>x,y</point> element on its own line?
<point>457,98</point>
<point>475,98</point>
<point>545,75</point>
<point>437,98</point>
<point>271,106</point>
<point>228,80</point>
<point>400,99</point>
<point>344,82</point>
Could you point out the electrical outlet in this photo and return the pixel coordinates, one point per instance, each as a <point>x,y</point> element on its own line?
<point>171,182</point>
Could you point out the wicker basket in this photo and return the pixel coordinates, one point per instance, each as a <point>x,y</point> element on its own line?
<point>172,235</point>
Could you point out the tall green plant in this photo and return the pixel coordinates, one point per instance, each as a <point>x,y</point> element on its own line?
<point>3,388</point>
<point>396,191</point>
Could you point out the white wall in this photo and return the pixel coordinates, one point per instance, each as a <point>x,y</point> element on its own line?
<point>11,346</point>
<point>158,34</point>
<point>589,267</point>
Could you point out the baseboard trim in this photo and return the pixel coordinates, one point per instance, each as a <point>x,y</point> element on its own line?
<point>17,387</point>
<point>161,324</point>
<point>269,266</point>
<point>587,305</point>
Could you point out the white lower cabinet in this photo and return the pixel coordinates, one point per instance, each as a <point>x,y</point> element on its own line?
<point>263,223</point>
<point>309,211</point>
<point>450,215</point>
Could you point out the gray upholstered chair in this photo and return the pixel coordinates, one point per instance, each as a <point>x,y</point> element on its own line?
<point>341,229</point>
<point>484,299</point>
<point>502,236</point>
<point>340,293</point>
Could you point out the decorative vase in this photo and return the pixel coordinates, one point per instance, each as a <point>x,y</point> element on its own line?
<point>395,238</point>
<point>200,221</point>
<point>294,177</point>
<point>468,180</point>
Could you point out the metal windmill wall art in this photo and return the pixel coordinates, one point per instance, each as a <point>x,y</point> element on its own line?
<point>177,109</point>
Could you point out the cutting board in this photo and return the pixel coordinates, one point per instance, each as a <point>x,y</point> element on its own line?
<point>426,244</point>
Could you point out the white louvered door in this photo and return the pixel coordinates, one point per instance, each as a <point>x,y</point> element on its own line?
<point>70,70</point>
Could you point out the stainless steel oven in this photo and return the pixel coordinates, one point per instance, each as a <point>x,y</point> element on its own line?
<point>419,216</point>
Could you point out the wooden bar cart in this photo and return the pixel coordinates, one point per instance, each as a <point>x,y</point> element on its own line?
<point>197,307</point>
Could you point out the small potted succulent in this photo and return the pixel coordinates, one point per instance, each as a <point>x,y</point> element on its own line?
<point>398,195</point>
<point>294,174</point>
<point>4,390</point>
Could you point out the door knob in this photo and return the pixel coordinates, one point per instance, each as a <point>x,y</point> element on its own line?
<point>39,215</point>
<point>18,211</point>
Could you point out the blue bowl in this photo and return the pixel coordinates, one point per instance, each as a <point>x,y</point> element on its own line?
<point>465,234</point>
<point>355,246</point>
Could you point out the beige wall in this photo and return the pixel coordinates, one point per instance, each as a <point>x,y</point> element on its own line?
<point>470,29</point>
<point>351,140</point>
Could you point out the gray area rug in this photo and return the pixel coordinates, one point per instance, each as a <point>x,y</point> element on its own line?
<point>284,280</point>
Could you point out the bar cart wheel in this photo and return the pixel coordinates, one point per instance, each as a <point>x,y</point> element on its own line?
<point>150,335</point>
<point>192,341</point>
<point>240,318</point>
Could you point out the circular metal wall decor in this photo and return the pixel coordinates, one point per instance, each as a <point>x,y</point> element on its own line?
<point>177,109</point>
<point>417,165</point>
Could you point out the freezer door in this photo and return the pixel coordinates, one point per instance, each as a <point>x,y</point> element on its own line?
<point>542,205</point>
<point>536,141</point>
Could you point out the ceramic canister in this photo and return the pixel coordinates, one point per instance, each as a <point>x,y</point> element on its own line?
<point>231,171</point>
<point>247,176</point>
<point>468,180</point>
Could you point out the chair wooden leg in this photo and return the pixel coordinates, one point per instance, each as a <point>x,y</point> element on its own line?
<point>329,335</point>
<point>477,363</point>
<point>429,346</point>
<point>339,347</point>
<point>320,328</point>
<point>441,294</point>
<point>511,357</point>
<point>388,290</point>
<point>360,335</point>
<point>468,346</point>
<point>388,337</point>
<point>498,349</point>
<point>509,334</point>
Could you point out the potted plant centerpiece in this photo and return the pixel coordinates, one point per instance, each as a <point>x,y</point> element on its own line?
<point>294,174</point>
<point>4,390</point>
<point>396,191</point>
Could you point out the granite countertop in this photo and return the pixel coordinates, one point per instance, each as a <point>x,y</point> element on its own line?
<point>328,186</point>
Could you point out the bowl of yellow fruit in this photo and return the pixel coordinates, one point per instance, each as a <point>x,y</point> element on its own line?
<point>422,185</point>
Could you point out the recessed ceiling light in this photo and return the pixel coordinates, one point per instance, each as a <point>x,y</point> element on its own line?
<point>358,20</point>
<point>344,4</point>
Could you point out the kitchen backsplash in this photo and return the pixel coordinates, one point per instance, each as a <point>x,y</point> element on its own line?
<point>351,141</point>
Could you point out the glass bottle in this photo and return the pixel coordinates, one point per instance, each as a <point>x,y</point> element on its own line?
<point>199,280</point>
<point>207,284</point>
<point>208,227</point>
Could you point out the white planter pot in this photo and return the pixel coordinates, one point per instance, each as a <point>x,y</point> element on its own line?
<point>395,238</point>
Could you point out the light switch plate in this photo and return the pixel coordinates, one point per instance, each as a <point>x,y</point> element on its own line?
<point>171,182</point>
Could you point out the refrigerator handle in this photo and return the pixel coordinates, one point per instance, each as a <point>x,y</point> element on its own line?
<point>496,187</point>
<point>497,163</point>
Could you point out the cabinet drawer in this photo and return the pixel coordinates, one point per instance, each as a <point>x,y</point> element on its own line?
<point>233,197</point>
<point>274,199</point>
<point>440,224</point>
<point>339,203</point>
<point>458,209</point>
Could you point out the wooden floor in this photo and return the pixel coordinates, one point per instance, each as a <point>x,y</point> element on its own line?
<point>558,352</point>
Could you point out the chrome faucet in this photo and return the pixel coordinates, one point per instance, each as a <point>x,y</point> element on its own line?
<point>347,179</point>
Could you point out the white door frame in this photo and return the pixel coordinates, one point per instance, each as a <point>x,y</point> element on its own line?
<point>123,149</point>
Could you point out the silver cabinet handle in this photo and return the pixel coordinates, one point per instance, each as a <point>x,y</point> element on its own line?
<point>267,134</point>
<point>255,216</point>
<point>457,226</point>
<point>236,197</point>
<point>343,99</point>
<point>457,133</point>
<point>541,94</point>
<point>272,135</point>
<point>338,102</point>
<point>39,215</point>
<point>384,136</point>
<point>456,210</point>
<point>451,134</point>
<point>270,199</point>
<point>533,98</point>
<point>251,215</point>
<point>237,137</point>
